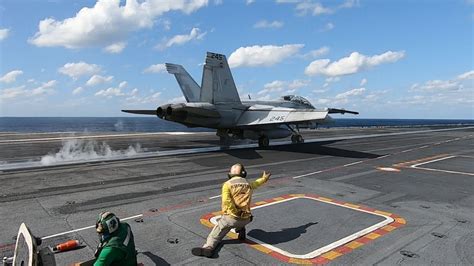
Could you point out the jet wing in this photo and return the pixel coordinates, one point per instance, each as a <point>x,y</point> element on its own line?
<point>255,116</point>
<point>140,112</point>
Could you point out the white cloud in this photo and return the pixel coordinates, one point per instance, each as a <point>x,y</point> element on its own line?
<point>11,76</point>
<point>165,23</point>
<point>460,82</point>
<point>98,79</point>
<point>266,55</point>
<point>312,8</point>
<point>276,85</point>
<point>123,84</point>
<point>266,24</point>
<point>110,92</point>
<point>76,70</point>
<point>4,34</point>
<point>316,8</point>
<point>350,93</point>
<point>329,26</point>
<point>298,83</point>
<point>45,88</point>
<point>179,99</point>
<point>363,82</point>
<point>136,99</point>
<point>354,63</point>
<point>157,68</point>
<point>115,48</point>
<point>22,91</point>
<point>316,53</point>
<point>332,79</point>
<point>181,39</point>
<point>467,75</point>
<point>248,2</point>
<point>115,92</point>
<point>11,93</point>
<point>77,90</point>
<point>437,85</point>
<point>283,86</point>
<point>349,4</point>
<point>107,22</point>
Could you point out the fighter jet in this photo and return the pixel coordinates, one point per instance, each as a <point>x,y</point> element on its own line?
<point>216,104</point>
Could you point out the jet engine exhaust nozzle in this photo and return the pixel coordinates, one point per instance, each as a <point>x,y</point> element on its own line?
<point>159,112</point>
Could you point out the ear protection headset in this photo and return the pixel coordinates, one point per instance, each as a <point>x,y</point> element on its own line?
<point>107,223</point>
<point>243,172</point>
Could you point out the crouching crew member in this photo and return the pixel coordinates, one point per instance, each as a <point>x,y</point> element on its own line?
<point>117,246</point>
<point>236,197</point>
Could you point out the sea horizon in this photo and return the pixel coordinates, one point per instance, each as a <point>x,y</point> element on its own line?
<point>153,124</point>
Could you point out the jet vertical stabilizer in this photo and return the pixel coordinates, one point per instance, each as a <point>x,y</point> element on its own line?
<point>217,83</point>
<point>189,87</point>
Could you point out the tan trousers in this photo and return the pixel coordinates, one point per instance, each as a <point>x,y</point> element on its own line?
<point>223,226</point>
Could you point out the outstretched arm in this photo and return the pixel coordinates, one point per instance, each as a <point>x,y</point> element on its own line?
<point>262,180</point>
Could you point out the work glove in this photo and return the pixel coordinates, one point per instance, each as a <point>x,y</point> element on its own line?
<point>266,175</point>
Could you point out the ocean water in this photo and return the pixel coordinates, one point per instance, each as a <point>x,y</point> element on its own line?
<point>153,124</point>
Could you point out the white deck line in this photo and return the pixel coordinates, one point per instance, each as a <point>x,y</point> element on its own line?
<point>444,171</point>
<point>354,163</point>
<point>87,227</point>
<point>326,248</point>
<point>432,161</point>
<point>416,166</point>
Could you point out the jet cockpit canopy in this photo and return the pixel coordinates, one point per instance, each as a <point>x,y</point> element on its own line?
<point>298,100</point>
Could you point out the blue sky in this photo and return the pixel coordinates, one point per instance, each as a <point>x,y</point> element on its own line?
<point>386,59</point>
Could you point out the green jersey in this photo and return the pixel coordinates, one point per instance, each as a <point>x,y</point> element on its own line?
<point>119,249</point>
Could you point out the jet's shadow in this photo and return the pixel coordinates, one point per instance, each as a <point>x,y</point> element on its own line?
<point>282,236</point>
<point>316,148</point>
<point>320,148</point>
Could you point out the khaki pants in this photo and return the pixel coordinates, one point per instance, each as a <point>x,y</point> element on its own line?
<point>223,226</point>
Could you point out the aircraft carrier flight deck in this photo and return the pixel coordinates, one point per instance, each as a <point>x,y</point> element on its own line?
<point>395,195</point>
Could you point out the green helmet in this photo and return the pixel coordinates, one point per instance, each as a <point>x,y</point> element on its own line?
<point>107,223</point>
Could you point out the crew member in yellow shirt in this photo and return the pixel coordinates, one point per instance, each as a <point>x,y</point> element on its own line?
<point>236,197</point>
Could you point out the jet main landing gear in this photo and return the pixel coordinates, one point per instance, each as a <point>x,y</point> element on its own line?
<point>297,138</point>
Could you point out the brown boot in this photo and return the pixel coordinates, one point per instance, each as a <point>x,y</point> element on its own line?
<point>203,252</point>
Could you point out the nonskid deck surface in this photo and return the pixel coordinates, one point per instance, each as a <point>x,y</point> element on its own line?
<point>390,199</point>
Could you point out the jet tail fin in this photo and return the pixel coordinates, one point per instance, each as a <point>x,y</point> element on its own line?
<point>189,87</point>
<point>217,82</point>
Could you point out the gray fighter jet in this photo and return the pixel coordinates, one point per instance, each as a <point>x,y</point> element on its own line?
<point>216,104</point>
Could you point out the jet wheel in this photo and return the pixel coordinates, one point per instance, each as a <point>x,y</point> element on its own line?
<point>263,141</point>
<point>293,139</point>
<point>297,139</point>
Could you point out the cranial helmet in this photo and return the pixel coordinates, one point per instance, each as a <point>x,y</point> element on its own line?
<point>107,223</point>
<point>243,172</point>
